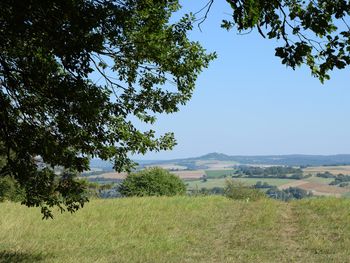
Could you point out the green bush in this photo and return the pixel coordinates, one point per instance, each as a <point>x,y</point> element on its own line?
<point>239,191</point>
<point>10,190</point>
<point>152,182</point>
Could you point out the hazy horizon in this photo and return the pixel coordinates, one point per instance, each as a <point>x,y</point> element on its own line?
<point>231,155</point>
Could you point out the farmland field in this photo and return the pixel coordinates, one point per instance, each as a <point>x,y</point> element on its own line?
<point>318,185</point>
<point>315,179</point>
<point>219,173</point>
<point>186,174</point>
<point>216,165</point>
<point>180,229</point>
<point>210,183</point>
<point>195,174</point>
<point>322,189</point>
<point>169,166</point>
<point>341,169</point>
<point>317,188</point>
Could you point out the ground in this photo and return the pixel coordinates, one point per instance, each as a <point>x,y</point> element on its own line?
<point>180,229</point>
<point>337,169</point>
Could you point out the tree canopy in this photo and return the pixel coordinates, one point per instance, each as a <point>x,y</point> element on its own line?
<point>313,32</point>
<point>73,76</point>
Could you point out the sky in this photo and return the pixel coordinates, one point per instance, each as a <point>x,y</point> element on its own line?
<point>248,103</point>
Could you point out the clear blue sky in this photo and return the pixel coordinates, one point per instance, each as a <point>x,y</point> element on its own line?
<point>248,103</point>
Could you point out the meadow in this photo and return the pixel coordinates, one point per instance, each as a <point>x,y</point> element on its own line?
<point>219,173</point>
<point>180,229</point>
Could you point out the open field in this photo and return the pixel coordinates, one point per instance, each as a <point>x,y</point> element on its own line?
<point>111,175</point>
<point>218,173</point>
<point>210,183</point>
<point>216,165</point>
<point>296,183</point>
<point>180,229</point>
<point>317,188</point>
<point>342,169</point>
<point>321,189</point>
<point>196,174</point>
<point>320,180</point>
<point>187,174</point>
<point>169,166</point>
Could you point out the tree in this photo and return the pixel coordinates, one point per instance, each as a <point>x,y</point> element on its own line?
<point>73,76</point>
<point>291,193</point>
<point>152,182</point>
<point>313,32</point>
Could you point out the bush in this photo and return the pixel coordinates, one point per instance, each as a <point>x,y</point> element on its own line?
<point>239,191</point>
<point>152,182</point>
<point>10,190</point>
<point>261,185</point>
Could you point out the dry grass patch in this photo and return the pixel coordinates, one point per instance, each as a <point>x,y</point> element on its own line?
<point>341,169</point>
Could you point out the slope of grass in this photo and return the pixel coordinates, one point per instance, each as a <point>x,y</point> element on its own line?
<point>180,229</point>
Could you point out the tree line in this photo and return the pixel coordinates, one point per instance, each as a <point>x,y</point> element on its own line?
<point>281,172</point>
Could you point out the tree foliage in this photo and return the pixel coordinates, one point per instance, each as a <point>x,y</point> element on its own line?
<point>152,182</point>
<point>73,76</point>
<point>10,190</point>
<point>315,33</point>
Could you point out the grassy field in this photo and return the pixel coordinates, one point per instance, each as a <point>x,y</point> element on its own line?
<point>219,173</point>
<point>319,180</point>
<point>180,229</point>
<point>216,165</point>
<point>210,183</point>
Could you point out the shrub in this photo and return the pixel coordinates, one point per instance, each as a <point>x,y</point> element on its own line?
<point>152,182</point>
<point>239,191</point>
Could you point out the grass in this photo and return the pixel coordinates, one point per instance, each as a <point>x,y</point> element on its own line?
<point>324,230</point>
<point>344,169</point>
<point>219,173</point>
<point>210,183</point>
<point>180,229</point>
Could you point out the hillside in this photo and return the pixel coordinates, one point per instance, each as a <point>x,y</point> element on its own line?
<point>180,229</point>
<point>196,163</point>
<point>292,159</point>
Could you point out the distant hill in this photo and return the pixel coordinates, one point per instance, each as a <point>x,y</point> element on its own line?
<point>290,160</point>
<point>215,156</point>
<point>293,159</point>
